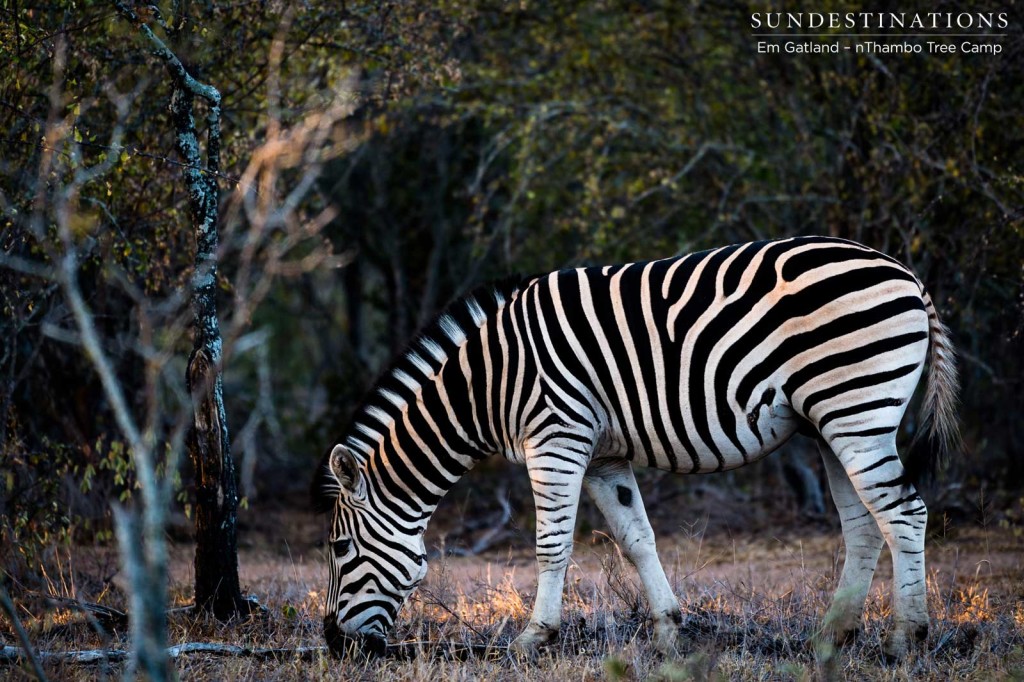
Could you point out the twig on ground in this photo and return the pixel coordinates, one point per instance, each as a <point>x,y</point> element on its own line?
<point>103,616</point>
<point>9,654</point>
<point>400,650</point>
<point>448,650</point>
<point>434,601</point>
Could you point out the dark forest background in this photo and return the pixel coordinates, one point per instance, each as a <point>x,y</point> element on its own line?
<point>480,139</point>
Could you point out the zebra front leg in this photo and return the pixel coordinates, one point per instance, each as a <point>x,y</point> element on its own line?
<point>556,477</point>
<point>613,487</point>
<point>878,477</point>
<point>863,545</point>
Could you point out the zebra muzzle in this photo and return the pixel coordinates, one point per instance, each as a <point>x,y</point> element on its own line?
<point>343,645</point>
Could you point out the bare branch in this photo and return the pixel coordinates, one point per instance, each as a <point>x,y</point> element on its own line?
<point>178,71</point>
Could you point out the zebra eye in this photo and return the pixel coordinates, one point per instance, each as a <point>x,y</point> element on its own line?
<point>340,547</point>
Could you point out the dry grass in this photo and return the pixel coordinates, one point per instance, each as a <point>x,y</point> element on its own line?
<point>751,605</point>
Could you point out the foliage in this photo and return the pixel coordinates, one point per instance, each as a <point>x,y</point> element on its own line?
<point>583,133</point>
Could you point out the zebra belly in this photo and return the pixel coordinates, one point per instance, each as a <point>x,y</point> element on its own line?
<point>775,422</point>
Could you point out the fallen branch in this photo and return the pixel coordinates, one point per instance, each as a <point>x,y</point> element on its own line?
<point>103,617</point>
<point>445,650</point>
<point>400,651</point>
<point>13,654</point>
<point>497,529</point>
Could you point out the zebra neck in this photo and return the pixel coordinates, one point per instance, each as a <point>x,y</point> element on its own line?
<point>409,482</point>
<point>443,406</point>
<point>430,435</point>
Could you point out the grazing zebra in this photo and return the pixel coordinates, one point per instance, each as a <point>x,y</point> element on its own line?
<point>695,364</point>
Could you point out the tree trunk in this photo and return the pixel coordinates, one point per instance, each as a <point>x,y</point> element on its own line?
<point>216,508</point>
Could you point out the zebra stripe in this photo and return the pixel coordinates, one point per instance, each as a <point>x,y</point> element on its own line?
<point>695,364</point>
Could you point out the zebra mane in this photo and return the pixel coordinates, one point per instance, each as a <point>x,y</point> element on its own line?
<point>437,341</point>
<point>430,348</point>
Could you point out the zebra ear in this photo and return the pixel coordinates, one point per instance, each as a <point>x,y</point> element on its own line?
<point>338,470</point>
<point>344,466</point>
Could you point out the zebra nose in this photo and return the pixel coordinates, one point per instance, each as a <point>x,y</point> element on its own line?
<point>374,645</point>
<point>338,643</point>
<point>342,645</point>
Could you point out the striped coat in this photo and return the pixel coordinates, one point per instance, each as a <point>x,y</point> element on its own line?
<point>695,364</point>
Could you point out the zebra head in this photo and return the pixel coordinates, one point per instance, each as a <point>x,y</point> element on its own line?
<point>373,563</point>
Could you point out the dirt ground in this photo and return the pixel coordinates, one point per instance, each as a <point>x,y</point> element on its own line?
<point>752,602</point>
<point>736,589</point>
<point>770,549</point>
<point>957,560</point>
<point>289,558</point>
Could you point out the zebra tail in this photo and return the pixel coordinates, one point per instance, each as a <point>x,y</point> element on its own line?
<point>937,433</point>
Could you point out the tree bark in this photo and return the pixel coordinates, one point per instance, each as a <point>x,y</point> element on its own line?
<point>216,563</point>
<point>216,506</point>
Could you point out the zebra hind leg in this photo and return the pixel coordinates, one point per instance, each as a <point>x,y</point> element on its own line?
<point>556,476</point>
<point>613,487</point>
<point>876,473</point>
<point>863,543</point>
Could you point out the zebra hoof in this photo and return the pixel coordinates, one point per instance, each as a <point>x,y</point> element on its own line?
<point>666,634</point>
<point>894,648</point>
<point>532,639</point>
<point>897,643</point>
<point>842,626</point>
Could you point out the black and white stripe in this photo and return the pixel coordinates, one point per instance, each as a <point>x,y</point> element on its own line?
<point>695,364</point>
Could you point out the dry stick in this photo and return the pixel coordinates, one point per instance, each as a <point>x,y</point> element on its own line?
<point>9,654</point>
<point>29,653</point>
<point>103,616</point>
<point>401,650</point>
<point>498,530</point>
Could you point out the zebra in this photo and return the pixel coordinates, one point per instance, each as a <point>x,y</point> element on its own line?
<point>694,364</point>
